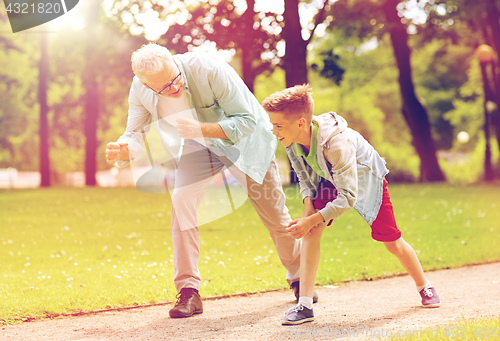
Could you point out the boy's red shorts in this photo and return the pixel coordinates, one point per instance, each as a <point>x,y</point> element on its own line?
<point>384,228</point>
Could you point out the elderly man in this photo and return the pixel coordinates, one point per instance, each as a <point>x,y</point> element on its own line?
<point>229,128</point>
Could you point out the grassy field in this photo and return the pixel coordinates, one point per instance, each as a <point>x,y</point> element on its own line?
<point>480,329</point>
<point>67,250</point>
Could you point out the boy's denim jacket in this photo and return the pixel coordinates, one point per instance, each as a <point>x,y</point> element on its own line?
<point>351,164</point>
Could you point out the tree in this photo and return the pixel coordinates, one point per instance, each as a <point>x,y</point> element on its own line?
<point>92,89</point>
<point>413,111</point>
<point>18,99</point>
<point>474,23</point>
<point>222,22</point>
<point>66,78</point>
<point>493,19</point>
<point>253,35</point>
<point>43,70</point>
<point>375,19</point>
<point>295,59</point>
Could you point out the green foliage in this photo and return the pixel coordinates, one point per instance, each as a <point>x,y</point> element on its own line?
<point>442,50</point>
<point>19,112</point>
<point>440,70</point>
<point>368,98</point>
<point>468,167</point>
<point>468,112</point>
<point>446,76</point>
<point>18,98</point>
<point>268,83</point>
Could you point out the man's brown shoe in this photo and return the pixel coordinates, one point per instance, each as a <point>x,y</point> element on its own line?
<point>188,303</point>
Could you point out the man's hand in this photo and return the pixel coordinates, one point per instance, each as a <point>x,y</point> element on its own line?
<point>116,151</point>
<point>189,129</point>
<point>192,129</point>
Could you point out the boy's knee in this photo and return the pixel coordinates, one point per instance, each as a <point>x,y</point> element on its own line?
<point>396,247</point>
<point>313,239</point>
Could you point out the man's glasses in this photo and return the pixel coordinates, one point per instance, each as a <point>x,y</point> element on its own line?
<point>167,87</point>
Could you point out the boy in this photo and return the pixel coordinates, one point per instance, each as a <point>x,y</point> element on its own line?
<point>337,170</point>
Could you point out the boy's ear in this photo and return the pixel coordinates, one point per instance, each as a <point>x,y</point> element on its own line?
<point>302,122</point>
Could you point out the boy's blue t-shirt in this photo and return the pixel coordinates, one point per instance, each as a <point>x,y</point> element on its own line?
<point>312,158</point>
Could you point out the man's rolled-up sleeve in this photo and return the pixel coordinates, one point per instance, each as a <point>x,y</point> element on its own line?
<point>138,125</point>
<point>235,99</point>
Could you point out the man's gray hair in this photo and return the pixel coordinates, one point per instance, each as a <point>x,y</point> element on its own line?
<point>150,59</point>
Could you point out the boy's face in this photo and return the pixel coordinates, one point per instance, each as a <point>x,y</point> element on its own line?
<point>286,131</point>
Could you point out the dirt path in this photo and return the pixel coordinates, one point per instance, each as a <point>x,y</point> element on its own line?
<point>356,309</point>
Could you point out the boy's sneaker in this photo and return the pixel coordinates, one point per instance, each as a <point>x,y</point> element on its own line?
<point>295,286</point>
<point>430,298</point>
<point>297,315</point>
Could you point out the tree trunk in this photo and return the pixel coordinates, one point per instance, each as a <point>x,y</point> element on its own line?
<point>91,94</point>
<point>246,65</point>
<point>493,23</point>
<point>488,169</point>
<point>413,111</point>
<point>247,55</point>
<point>43,70</point>
<point>295,59</point>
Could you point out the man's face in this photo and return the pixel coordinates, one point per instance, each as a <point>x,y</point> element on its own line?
<point>286,131</point>
<point>169,82</point>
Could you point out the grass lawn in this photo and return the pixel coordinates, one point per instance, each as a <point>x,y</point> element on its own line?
<point>479,329</point>
<point>65,250</point>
